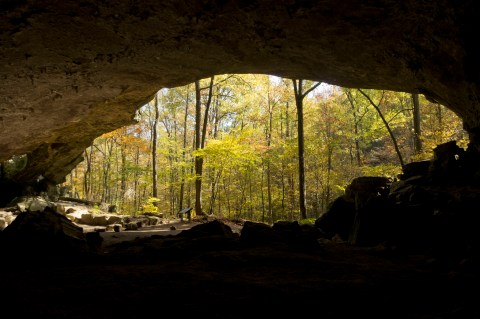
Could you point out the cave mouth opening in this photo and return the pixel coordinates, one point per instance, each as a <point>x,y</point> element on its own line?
<point>252,122</point>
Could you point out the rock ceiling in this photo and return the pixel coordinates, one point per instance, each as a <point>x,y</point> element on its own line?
<point>73,70</point>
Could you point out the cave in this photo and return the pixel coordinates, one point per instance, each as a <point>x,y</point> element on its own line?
<point>73,70</point>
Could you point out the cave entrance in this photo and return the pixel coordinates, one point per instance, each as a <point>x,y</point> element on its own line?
<point>248,138</point>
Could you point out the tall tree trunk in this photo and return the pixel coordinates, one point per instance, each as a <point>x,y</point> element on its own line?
<point>183,172</point>
<point>439,115</point>
<point>107,163</point>
<point>416,124</point>
<point>287,124</point>
<point>355,127</point>
<point>198,159</point>
<point>189,185</point>
<point>299,96</point>
<point>200,142</point>
<point>205,116</point>
<point>123,177</point>
<point>301,159</point>
<point>136,200</point>
<point>175,173</point>
<point>269,173</point>
<point>72,185</point>
<point>290,181</point>
<point>172,189</point>
<point>87,177</point>
<point>154,148</point>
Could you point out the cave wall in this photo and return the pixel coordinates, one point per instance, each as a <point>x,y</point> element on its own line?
<point>73,70</point>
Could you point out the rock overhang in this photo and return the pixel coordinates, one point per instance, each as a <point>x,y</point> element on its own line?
<point>72,71</point>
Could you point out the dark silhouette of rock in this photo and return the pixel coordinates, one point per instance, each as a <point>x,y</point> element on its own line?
<point>432,212</point>
<point>45,236</point>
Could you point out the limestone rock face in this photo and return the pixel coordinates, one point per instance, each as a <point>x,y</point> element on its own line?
<point>73,70</point>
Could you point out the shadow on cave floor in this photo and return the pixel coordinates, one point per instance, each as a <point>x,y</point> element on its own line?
<point>210,271</point>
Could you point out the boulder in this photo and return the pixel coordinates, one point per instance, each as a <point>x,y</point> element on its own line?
<point>42,237</point>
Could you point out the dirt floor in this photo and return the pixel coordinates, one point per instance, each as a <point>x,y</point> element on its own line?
<point>336,281</point>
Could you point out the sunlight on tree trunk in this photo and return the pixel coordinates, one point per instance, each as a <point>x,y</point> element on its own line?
<point>269,130</point>
<point>123,178</point>
<point>200,137</point>
<point>299,96</point>
<point>198,163</point>
<point>183,172</point>
<point>154,149</point>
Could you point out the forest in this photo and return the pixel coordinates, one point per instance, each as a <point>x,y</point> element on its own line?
<point>258,147</point>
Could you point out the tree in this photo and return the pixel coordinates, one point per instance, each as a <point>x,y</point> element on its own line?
<point>185,119</point>
<point>299,96</point>
<point>154,148</point>
<point>387,126</point>
<point>416,124</point>
<point>356,122</point>
<point>200,140</point>
<point>248,150</point>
